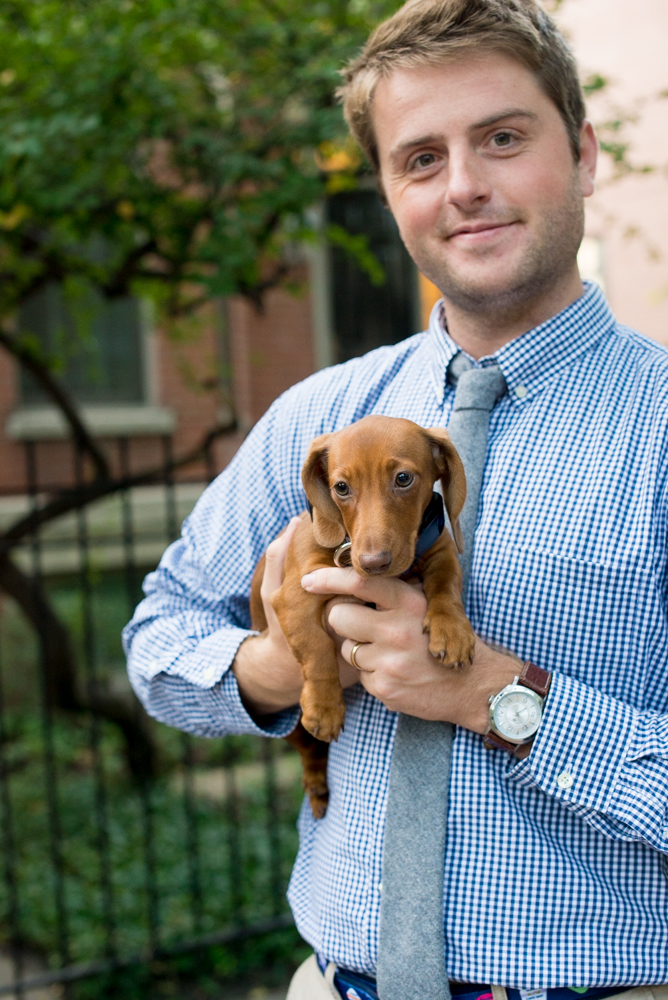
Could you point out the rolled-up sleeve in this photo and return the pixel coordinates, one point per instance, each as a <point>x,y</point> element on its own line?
<point>184,635</point>
<point>603,759</point>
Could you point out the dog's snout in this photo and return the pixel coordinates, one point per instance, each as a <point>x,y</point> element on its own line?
<point>375,562</point>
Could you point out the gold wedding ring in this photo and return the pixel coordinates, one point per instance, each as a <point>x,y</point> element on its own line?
<point>352,654</point>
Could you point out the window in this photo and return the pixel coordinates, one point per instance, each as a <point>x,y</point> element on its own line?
<point>102,354</point>
<point>364,316</point>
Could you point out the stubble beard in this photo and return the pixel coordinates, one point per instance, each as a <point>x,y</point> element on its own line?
<point>547,261</point>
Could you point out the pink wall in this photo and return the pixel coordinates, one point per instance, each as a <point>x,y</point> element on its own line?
<point>626,42</point>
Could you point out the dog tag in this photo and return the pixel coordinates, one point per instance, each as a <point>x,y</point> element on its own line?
<point>342,555</point>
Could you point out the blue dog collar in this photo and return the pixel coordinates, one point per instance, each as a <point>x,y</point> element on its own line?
<point>431,526</point>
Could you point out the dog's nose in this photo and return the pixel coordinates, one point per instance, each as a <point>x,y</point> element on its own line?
<point>375,562</point>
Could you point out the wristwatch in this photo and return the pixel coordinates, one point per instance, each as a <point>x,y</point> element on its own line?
<point>515,713</point>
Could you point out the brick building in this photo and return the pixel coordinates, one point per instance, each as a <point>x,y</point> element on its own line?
<point>147,392</point>
<point>149,386</point>
<point>138,383</point>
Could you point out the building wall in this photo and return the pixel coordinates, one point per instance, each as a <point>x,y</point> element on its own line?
<point>269,350</point>
<point>11,454</point>
<point>625,41</point>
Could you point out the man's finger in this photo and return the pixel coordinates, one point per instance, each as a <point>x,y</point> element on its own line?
<point>346,651</point>
<point>385,592</point>
<point>354,621</point>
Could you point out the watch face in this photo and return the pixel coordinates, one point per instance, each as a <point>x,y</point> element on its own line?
<point>516,713</point>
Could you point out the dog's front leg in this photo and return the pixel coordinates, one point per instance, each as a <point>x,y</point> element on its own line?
<point>451,637</point>
<point>301,617</point>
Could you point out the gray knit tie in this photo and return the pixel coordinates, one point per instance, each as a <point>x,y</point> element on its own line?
<point>411,947</point>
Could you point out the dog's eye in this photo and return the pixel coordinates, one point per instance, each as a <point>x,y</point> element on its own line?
<point>342,489</point>
<point>403,479</point>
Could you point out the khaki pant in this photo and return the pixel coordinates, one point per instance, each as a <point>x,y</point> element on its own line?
<point>308,983</point>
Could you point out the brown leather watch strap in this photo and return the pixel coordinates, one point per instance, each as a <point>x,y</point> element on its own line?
<point>492,741</point>
<point>536,679</point>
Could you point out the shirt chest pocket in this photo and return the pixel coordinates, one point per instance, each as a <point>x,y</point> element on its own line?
<point>604,624</point>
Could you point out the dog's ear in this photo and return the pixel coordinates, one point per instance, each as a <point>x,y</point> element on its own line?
<point>327,521</point>
<point>450,471</point>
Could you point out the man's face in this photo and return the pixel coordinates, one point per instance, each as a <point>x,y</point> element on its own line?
<point>479,174</point>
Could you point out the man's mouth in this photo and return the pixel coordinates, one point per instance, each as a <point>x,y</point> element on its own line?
<point>479,232</point>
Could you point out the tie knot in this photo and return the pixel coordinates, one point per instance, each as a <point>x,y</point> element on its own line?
<point>477,388</point>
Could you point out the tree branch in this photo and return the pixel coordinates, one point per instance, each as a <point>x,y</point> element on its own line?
<point>256,293</point>
<point>62,689</point>
<point>119,283</point>
<point>53,389</point>
<point>73,499</point>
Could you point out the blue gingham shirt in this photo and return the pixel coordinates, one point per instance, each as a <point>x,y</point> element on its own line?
<point>544,885</point>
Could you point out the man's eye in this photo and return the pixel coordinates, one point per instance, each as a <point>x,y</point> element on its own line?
<point>342,489</point>
<point>503,139</point>
<point>403,479</point>
<point>424,160</point>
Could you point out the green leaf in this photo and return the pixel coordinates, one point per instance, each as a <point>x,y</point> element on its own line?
<point>358,248</point>
<point>177,134</point>
<point>594,83</point>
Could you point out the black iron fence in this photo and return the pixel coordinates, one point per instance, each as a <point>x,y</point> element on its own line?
<point>122,840</point>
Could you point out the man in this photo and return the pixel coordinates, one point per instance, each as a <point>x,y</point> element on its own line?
<point>556,861</point>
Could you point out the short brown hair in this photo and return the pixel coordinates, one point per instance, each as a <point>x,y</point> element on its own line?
<point>427,32</point>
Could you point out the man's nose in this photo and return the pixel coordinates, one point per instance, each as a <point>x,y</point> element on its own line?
<point>467,187</point>
<point>375,562</point>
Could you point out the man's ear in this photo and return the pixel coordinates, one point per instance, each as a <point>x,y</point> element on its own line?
<point>327,521</point>
<point>588,158</point>
<point>450,470</point>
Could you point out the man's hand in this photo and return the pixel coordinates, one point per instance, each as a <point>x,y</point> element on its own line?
<point>395,663</point>
<point>269,677</point>
<point>267,673</point>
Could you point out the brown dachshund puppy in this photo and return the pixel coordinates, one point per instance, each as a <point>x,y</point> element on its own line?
<point>369,483</point>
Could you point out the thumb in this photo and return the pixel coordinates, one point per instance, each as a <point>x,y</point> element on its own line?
<point>275,558</point>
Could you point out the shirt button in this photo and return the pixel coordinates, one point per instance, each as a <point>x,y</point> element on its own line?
<point>153,665</point>
<point>565,780</point>
<point>210,674</point>
<point>521,391</point>
<point>380,884</point>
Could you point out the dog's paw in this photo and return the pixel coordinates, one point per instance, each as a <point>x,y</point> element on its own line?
<point>451,639</point>
<point>315,786</point>
<point>324,721</point>
<point>318,802</point>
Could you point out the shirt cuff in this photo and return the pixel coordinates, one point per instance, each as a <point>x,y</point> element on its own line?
<point>204,660</point>
<point>211,712</point>
<point>279,724</point>
<point>582,745</point>
<point>197,691</point>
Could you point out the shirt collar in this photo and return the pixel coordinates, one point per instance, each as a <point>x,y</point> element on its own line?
<point>530,361</point>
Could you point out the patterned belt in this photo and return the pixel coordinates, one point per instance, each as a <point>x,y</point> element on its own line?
<point>357,986</point>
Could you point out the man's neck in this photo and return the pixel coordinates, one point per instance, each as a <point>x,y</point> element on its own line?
<point>481,334</point>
